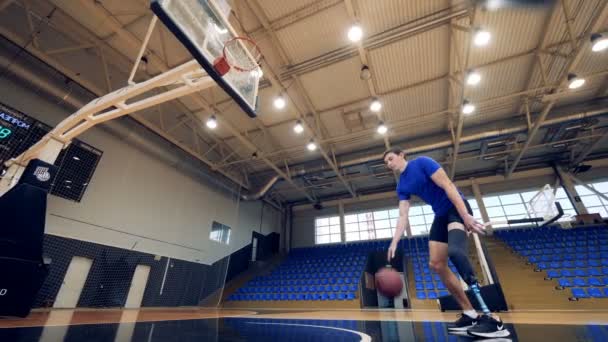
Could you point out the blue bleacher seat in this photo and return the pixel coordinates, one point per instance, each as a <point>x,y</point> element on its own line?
<point>555,264</point>
<point>567,273</point>
<point>581,272</point>
<point>579,293</point>
<point>420,295</point>
<point>564,282</point>
<point>594,272</point>
<point>595,292</point>
<point>554,273</point>
<point>432,295</point>
<point>350,296</point>
<point>595,282</point>
<point>324,296</point>
<point>580,282</point>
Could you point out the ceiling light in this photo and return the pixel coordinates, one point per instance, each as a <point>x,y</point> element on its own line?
<point>467,107</point>
<point>376,105</point>
<point>365,74</point>
<point>212,122</point>
<point>298,128</point>
<point>473,78</point>
<point>382,128</point>
<point>355,33</point>
<point>311,145</point>
<point>494,4</point>
<point>279,102</point>
<point>599,42</point>
<point>575,82</point>
<point>482,37</point>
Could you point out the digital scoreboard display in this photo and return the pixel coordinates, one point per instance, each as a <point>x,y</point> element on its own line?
<point>15,130</point>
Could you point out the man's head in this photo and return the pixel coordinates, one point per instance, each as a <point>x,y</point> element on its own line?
<point>394,158</point>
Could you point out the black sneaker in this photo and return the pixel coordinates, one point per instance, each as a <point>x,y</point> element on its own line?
<point>463,323</point>
<point>488,327</point>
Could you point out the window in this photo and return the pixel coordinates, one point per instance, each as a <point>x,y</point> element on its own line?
<point>220,233</point>
<point>327,230</point>
<point>505,207</point>
<point>593,202</point>
<point>512,206</point>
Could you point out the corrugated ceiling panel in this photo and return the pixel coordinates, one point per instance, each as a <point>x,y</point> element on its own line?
<point>513,31</point>
<point>334,123</point>
<point>316,35</point>
<point>586,92</point>
<point>336,84</point>
<point>501,79</point>
<point>275,9</point>
<point>492,112</point>
<point>581,11</point>
<point>591,62</point>
<point>266,111</point>
<point>380,15</point>
<point>412,60</point>
<point>416,102</point>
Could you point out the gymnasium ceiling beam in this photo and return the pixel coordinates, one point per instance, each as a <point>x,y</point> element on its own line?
<point>260,16</point>
<point>462,90</point>
<point>596,23</point>
<point>292,18</point>
<point>585,152</point>
<point>352,13</point>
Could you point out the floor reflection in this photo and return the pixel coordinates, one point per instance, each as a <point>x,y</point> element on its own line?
<point>258,330</point>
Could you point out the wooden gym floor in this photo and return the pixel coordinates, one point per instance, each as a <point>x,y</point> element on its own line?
<point>158,324</point>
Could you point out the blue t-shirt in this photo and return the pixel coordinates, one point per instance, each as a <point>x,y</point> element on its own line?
<point>416,180</point>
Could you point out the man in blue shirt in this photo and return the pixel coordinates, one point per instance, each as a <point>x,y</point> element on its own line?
<point>425,178</point>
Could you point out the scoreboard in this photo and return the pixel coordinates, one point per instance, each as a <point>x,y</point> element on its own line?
<point>16,131</point>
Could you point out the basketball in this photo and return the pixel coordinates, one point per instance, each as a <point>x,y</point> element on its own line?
<point>388,282</point>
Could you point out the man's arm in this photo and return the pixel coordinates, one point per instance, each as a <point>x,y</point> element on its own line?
<point>441,179</point>
<point>402,223</point>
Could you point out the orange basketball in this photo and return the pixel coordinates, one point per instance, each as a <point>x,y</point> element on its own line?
<point>388,282</point>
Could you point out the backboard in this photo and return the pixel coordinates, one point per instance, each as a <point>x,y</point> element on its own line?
<point>202,26</point>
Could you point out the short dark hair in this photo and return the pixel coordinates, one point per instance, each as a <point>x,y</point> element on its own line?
<point>395,150</point>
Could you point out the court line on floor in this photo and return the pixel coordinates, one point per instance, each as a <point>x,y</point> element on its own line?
<point>364,337</point>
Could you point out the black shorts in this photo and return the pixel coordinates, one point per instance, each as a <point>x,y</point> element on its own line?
<point>439,228</point>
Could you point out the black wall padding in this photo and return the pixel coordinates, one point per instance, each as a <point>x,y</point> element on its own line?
<point>22,218</point>
<point>239,262</point>
<point>268,245</point>
<point>22,215</point>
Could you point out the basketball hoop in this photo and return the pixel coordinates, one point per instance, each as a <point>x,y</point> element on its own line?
<point>241,54</point>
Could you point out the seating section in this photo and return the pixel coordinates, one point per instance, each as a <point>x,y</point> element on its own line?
<point>317,273</point>
<point>575,258</point>
<point>428,284</point>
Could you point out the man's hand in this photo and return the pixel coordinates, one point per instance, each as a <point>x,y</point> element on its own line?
<point>471,225</point>
<point>391,252</point>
